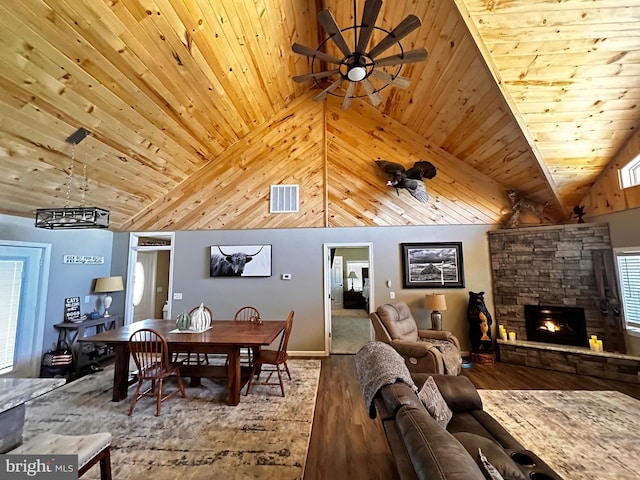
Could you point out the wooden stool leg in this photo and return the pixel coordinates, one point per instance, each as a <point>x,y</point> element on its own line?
<point>105,466</point>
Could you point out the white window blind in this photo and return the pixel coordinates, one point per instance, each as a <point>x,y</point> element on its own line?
<point>10,288</point>
<point>629,272</point>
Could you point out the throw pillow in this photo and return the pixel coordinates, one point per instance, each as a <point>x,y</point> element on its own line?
<point>435,403</point>
<point>488,468</point>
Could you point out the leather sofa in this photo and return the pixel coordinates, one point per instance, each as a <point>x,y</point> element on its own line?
<point>421,349</point>
<point>423,450</point>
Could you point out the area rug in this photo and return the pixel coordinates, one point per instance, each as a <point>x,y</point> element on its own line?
<point>582,435</point>
<point>199,437</point>
<point>349,334</point>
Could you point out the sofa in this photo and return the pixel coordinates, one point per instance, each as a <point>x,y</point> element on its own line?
<point>424,351</point>
<point>472,445</point>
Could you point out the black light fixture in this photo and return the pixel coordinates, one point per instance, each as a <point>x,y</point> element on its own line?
<point>73,217</point>
<point>357,65</point>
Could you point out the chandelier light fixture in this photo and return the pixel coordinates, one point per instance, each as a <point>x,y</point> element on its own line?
<point>68,217</point>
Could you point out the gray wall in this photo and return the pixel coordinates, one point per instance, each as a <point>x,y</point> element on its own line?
<point>65,280</point>
<point>300,253</point>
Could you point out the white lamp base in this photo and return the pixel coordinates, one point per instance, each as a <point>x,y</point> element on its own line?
<point>107,304</point>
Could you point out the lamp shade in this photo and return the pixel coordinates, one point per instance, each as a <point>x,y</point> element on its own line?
<point>108,285</point>
<point>435,301</point>
<point>352,274</point>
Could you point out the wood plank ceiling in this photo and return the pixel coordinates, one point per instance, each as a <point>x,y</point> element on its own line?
<point>193,113</point>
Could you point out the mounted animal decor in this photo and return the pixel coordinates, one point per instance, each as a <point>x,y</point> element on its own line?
<point>519,204</point>
<point>480,322</point>
<point>411,179</point>
<point>578,212</point>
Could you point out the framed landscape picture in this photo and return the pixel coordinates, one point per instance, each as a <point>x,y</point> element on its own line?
<point>432,265</point>
<point>240,261</point>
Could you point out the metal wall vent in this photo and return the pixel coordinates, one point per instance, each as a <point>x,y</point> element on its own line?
<point>284,198</point>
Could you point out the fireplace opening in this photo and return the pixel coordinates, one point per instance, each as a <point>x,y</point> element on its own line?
<point>558,325</point>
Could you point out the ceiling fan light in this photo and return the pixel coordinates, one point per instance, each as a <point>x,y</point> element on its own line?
<point>357,74</point>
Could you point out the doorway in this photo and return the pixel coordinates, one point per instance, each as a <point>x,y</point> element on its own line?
<point>349,278</point>
<point>149,276</point>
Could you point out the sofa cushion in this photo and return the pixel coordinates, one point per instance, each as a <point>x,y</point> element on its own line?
<point>434,453</point>
<point>397,395</point>
<point>495,455</point>
<point>435,404</point>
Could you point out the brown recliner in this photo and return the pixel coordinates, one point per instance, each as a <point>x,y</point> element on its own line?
<point>422,350</point>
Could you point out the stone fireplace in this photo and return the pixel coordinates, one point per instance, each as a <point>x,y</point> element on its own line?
<point>556,324</point>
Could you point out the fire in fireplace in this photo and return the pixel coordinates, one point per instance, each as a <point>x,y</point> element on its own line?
<point>556,324</point>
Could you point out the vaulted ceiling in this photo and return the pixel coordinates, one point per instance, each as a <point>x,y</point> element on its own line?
<point>193,112</point>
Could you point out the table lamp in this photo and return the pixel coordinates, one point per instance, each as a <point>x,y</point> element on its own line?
<point>435,302</point>
<point>352,275</point>
<point>108,285</point>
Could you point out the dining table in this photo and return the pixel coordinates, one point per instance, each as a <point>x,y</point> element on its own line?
<point>223,336</point>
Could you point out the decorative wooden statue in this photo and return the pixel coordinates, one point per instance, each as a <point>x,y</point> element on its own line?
<point>480,322</point>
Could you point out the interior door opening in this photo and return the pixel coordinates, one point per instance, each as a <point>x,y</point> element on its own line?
<point>349,280</point>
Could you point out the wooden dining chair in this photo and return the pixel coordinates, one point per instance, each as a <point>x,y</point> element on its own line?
<point>274,358</point>
<point>246,314</point>
<point>151,354</point>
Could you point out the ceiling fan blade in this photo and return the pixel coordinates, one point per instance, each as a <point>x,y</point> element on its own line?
<point>310,52</point>
<point>404,28</point>
<point>369,17</point>
<point>328,90</point>
<point>397,81</point>
<point>348,97</point>
<point>409,57</point>
<point>308,76</point>
<point>374,96</point>
<point>325,17</point>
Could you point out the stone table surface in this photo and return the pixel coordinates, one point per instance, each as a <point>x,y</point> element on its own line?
<point>16,391</point>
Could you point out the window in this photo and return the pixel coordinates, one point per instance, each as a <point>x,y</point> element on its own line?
<point>10,287</point>
<point>628,263</point>
<point>353,266</point>
<point>630,174</point>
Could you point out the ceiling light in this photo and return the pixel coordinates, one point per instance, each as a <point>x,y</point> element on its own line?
<point>73,217</point>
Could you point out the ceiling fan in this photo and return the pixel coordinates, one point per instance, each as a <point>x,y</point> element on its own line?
<point>358,65</point>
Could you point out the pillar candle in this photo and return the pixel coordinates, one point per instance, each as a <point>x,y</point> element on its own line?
<point>512,336</point>
<point>599,347</point>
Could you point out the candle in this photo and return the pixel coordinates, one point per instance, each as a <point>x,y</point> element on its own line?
<point>599,347</point>
<point>503,332</point>
<point>512,336</point>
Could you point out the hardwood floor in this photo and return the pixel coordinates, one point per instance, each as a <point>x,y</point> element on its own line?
<point>346,443</point>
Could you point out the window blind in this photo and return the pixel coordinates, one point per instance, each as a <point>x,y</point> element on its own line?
<point>10,288</point>
<point>629,272</point>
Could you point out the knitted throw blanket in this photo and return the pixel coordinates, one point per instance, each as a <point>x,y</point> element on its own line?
<point>450,355</point>
<point>378,364</point>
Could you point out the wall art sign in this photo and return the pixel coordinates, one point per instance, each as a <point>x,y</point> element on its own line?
<point>240,261</point>
<point>83,259</point>
<point>432,265</point>
<point>71,309</point>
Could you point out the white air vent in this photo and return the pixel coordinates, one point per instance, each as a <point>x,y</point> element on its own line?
<point>284,198</point>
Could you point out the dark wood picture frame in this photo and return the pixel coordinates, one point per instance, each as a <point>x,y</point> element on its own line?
<point>432,265</point>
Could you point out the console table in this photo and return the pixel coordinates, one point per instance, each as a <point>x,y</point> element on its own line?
<point>70,332</point>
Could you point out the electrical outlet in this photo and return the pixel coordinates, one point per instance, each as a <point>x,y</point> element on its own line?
<point>392,295</point>
<point>87,298</point>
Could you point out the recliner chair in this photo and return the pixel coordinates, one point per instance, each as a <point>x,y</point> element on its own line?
<point>424,351</point>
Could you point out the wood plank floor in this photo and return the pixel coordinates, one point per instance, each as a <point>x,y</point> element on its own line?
<point>346,443</point>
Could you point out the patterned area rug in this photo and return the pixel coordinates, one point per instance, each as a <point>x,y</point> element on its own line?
<point>582,435</point>
<point>198,437</point>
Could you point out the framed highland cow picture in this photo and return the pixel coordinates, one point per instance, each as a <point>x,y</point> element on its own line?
<point>240,261</point>
<point>432,265</point>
